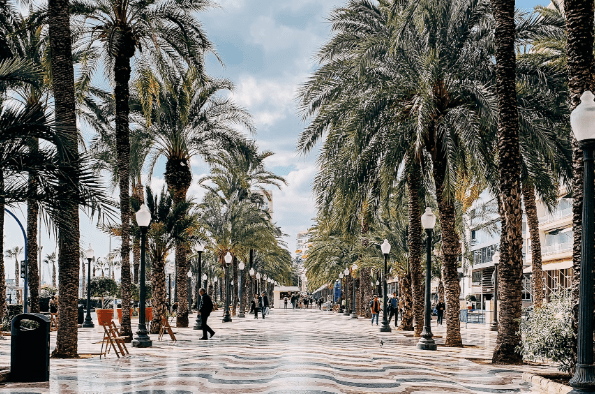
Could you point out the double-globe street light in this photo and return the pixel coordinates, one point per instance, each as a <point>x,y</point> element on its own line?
<point>228,259</point>
<point>344,290</point>
<point>89,254</point>
<point>143,218</point>
<point>426,342</point>
<point>353,272</point>
<point>241,266</point>
<point>198,323</point>
<point>496,260</point>
<point>385,247</point>
<point>582,120</point>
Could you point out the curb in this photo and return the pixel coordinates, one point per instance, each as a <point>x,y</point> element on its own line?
<point>545,385</point>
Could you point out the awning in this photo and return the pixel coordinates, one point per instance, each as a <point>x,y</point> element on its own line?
<point>552,266</point>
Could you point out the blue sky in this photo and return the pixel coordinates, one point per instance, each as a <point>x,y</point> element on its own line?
<point>268,48</point>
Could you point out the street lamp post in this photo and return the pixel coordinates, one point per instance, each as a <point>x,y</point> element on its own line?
<point>204,280</point>
<point>496,260</point>
<point>228,260</point>
<point>169,270</point>
<point>143,218</point>
<point>353,270</point>
<point>582,120</point>
<point>347,311</point>
<point>241,266</point>
<point>385,250</point>
<point>198,322</point>
<point>258,283</point>
<point>89,254</point>
<point>343,291</point>
<point>426,342</point>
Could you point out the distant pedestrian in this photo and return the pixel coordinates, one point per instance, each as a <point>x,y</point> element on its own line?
<point>440,311</point>
<point>393,309</point>
<point>375,307</point>
<point>285,302</point>
<point>265,304</point>
<point>206,307</point>
<point>254,306</point>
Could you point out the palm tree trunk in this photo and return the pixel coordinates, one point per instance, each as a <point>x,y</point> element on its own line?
<point>441,291</point>
<point>533,221</point>
<point>17,274</point>
<point>53,274</point>
<point>510,270</point>
<point>415,246</point>
<point>579,47</point>
<point>406,303</point>
<point>32,214</point>
<point>366,292</point>
<point>2,274</point>
<point>122,94</point>
<point>69,234</point>
<point>159,294</point>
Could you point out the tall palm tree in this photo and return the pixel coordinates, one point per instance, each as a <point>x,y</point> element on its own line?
<point>189,118</point>
<point>14,253</point>
<point>50,260</point>
<point>167,32</point>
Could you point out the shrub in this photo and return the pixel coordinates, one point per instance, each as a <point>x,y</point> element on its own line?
<point>12,311</point>
<point>547,333</point>
<point>135,291</point>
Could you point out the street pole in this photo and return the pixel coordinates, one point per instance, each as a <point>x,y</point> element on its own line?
<point>198,322</point>
<point>353,311</point>
<point>496,259</point>
<point>169,290</point>
<point>88,323</point>
<point>385,327</point>
<point>25,282</point>
<point>426,342</point>
<point>228,260</point>
<point>241,312</point>
<point>143,218</point>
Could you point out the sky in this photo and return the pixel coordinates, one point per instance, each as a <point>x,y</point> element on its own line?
<point>268,48</point>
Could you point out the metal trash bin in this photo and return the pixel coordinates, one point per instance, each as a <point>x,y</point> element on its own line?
<point>30,349</point>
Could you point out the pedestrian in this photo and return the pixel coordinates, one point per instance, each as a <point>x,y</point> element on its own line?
<point>254,306</point>
<point>265,304</point>
<point>206,307</point>
<point>393,309</point>
<point>375,307</point>
<point>440,311</point>
<point>285,302</point>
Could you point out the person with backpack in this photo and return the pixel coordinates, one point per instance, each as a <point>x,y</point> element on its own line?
<point>393,309</point>
<point>375,307</point>
<point>206,307</point>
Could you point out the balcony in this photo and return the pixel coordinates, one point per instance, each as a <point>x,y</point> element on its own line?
<point>556,249</point>
<point>555,216</point>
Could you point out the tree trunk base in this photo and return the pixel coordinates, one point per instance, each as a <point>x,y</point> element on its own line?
<point>506,354</point>
<point>182,321</point>
<point>56,354</point>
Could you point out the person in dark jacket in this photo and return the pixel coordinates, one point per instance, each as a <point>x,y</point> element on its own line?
<point>206,307</point>
<point>264,304</point>
<point>440,311</point>
<point>254,306</point>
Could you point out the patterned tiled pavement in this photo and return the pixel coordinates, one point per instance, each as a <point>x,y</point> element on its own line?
<point>291,351</point>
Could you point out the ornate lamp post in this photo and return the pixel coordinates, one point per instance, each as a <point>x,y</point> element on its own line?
<point>228,260</point>
<point>89,254</point>
<point>215,282</point>
<point>346,273</point>
<point>169,270</point>
<point>204,281</point>
<point>143,218</point>
<point>582,120</point>
<point>241,266</point>
<point>198,322</point>
<point>385,250</point>
<point>353,271</point>
<point>257,282</point>
<point>426,342</point>
<point>341,275</point>
<point>496,260</point>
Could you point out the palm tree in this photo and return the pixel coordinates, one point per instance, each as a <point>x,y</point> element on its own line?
<point>50,260</point>
<point>15,253</point>
<point>167,32</point>
<point>190,119</point>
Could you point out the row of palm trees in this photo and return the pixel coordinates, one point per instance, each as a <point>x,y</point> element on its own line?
<point>163,104</point>
<point>429,103</point>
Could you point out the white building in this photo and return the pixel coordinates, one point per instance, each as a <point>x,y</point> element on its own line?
<point>301,252</point>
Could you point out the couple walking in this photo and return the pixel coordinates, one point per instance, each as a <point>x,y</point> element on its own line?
<point>260,303</point>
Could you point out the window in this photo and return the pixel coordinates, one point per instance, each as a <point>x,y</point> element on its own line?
<point>476,277</point>
<point>484,255</point>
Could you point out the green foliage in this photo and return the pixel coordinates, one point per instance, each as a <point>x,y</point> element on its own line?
<point>103,287</point>
<point>547,333</point>
<point>12,311</point>
<point>135,291</point>
<point>48,291</point>
<point>470,298</point>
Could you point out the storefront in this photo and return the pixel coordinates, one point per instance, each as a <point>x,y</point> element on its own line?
<point>280,292</point>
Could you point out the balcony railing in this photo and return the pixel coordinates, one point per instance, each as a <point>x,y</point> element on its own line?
<point>557,215</point>
<point>557,248</point>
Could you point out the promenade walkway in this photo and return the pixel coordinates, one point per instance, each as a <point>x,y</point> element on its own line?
<point>291,352</point>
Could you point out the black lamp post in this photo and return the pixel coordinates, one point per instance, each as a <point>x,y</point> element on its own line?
<point>353,271</point>
<point>198,322</point>
<point>496,260</point>
<point>385,250</point>
<point>582,120</point>
<point>169,270</point>
<point>143,218</point>
<point>89,254</point>
<point>426,342</point>
<point>347,312</point>
<point>228,260</point>
<point>343,291</point>
<point>241,266</point>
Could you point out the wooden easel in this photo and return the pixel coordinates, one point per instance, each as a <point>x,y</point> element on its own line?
<point>111,337</point>
<point>165,326</point>
<point>53,322</point>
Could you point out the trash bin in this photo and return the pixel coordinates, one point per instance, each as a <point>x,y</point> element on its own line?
<point>30,348</point>
<point>81,316</point>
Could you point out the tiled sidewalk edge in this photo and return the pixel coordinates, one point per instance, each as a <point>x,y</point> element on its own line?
<point>545,385</point>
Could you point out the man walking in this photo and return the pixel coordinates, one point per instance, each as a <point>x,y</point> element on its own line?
<point>206,307</point>
<point>440,312</point>
<point>285,302</point>
<point>375,306</point>
<point>394,309</point>
<point>265,304</point>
